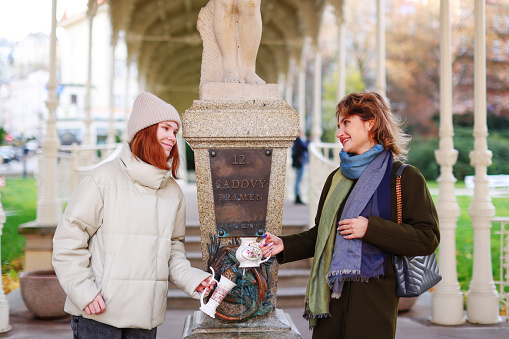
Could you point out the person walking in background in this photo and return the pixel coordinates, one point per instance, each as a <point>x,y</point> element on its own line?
<point>122,233</point>
<point>352,288</point>
<point>299,160</point>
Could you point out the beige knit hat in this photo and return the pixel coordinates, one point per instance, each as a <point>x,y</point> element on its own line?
<point>149,110</point>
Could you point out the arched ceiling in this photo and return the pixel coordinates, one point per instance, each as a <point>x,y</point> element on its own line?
<point>164,42</point>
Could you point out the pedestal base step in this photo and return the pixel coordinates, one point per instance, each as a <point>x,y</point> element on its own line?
<point>279,325</point>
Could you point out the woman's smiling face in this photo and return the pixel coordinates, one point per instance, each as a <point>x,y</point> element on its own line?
<point>353,133</point>
<point>167,135</point>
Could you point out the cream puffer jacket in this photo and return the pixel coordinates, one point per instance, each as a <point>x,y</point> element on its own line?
<point>122,235</point>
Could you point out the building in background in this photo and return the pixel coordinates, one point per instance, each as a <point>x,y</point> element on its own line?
<point>22,105</point>
<point>24,77</point>
<point>23,82</point>
<point>71,112</point>
<point>6,60</point>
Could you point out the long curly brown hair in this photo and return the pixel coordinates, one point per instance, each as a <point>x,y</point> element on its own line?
<point>387,128</point>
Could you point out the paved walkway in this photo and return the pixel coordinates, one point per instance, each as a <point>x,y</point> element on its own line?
<point>411,325</point>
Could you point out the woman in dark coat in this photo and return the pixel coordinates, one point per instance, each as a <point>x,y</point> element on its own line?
<point>352,288</point>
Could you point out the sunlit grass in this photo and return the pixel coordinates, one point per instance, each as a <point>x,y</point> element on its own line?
<point>19,200</point>
<point>465,238</point>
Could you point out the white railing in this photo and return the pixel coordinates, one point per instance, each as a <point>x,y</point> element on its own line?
<point>503,283</point>
<point>494,181</point>
<point>74,161</point>
<point>323,159</point>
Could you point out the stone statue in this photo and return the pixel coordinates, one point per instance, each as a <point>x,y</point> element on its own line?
<point>231,31</point>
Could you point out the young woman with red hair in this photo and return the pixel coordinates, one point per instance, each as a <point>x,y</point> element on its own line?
<point>122,233</point>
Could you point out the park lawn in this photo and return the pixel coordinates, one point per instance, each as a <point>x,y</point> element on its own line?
<point>19,200</point>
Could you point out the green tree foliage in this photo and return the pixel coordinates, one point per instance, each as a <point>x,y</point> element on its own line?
<point>421,151</point>
<point>498,144</point>
<point>463,143</point>
<point>413,55</point>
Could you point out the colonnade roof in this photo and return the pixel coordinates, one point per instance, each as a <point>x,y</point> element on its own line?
<point>163,40</point>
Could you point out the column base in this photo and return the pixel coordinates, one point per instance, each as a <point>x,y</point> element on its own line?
<point>279,325</point>
<point>4,316</point>
<point>447,309</point>
<point>483,309</point>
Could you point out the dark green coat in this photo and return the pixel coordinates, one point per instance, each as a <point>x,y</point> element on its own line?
<point>369,310</point>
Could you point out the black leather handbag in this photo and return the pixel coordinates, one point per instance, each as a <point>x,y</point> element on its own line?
<point>414,275</point>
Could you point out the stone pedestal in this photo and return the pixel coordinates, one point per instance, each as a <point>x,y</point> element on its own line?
<point>38,245</point>
<point>264,123</point>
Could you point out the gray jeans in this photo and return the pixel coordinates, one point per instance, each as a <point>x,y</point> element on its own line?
<point>83,328</point>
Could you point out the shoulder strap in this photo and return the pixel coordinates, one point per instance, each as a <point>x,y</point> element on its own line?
<point>399,204</point>
<point>400,170</point>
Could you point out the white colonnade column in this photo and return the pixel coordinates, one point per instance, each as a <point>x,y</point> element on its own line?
<point>127,107</point>
<point>181,144</point>
<point>340,65</point>
<point>301,106</point>
<point>380,48</point>
<point>341,60</point>
<point>92,9</point>
<point>281,82</point>
<point>316,130</point>
<point>447,300</point>
<point>49,208</point>
<point>289,82</point>
<point>482,296</point>
<point>111,128</point>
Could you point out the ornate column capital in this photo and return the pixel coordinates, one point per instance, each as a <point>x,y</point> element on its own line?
<point>480,158</point>
<point>52,104</point>
<point>446,157</point>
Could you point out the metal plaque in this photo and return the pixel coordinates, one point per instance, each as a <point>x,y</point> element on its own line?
<point>240,184</point>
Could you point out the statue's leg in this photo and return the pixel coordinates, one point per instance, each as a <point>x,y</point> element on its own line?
<point>250,34</point>
<point>225,30</point>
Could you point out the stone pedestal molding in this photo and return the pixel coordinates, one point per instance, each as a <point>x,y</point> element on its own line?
<point>278,326</point>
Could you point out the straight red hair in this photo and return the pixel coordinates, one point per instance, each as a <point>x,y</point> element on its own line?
<point>147,148</point>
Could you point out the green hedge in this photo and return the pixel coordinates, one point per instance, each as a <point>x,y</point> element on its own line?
<point>422,154</point>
